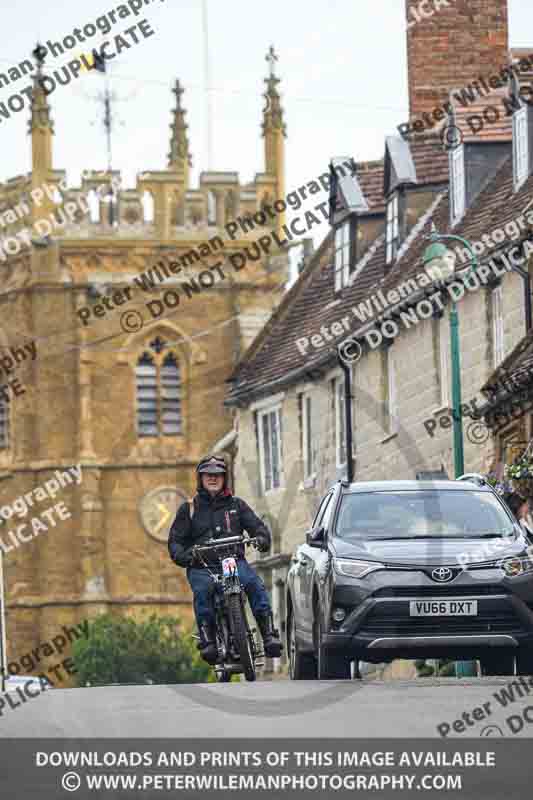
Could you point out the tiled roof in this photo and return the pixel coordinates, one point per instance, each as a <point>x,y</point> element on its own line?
<point>370,177</point>
<point>494,207</point>
<point>312,301</point>
<point>516,368</point>
<point>430,157</point>
<point>495,126</point>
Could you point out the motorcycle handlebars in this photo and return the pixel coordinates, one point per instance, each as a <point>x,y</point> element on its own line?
<point>212,544</point>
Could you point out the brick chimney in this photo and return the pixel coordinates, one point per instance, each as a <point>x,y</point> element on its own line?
<point>449,44</point>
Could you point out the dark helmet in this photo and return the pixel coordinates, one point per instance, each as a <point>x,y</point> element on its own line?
<point>212,465</point>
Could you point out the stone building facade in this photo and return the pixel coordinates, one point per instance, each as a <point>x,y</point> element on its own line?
<point>367,284</point>
<point>128,380</point>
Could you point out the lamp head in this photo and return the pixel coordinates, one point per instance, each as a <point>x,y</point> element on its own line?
<point>439,261</point>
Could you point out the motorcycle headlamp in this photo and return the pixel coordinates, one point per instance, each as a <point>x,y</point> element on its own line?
<point>356,569</point>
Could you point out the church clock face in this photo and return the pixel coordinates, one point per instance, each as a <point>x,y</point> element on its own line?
<point>158,509</point>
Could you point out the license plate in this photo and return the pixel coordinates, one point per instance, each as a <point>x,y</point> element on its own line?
<point>229,567</point>
<point>443,608</point>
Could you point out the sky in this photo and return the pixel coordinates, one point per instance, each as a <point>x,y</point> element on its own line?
<point>342,65</point>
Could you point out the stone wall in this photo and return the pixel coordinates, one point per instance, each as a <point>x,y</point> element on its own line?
<point>378,454</point>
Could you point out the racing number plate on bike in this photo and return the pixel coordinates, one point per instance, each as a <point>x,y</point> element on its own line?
<point>229,566</point>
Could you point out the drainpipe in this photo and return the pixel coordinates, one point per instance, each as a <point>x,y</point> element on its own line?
<point>348,416</point>
<point>3,649</point>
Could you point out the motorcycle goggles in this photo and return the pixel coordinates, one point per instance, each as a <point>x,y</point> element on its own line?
<point>212,466</point>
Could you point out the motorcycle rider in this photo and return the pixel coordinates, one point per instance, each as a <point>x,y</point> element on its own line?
<point>215,513</point>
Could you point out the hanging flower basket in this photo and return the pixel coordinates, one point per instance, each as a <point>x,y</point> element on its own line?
<point>520,472</point>
<point>499,483</point>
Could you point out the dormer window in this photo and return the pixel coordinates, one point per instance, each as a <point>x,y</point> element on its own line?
<point>520,148</point>
<point>458,189</point>
<point>393,228</point>
<point>399,174</point>
<point>342,255</point>
<point>346,203</point>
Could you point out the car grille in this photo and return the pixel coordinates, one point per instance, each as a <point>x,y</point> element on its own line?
<point>393,621</point>
<point>437,591</point>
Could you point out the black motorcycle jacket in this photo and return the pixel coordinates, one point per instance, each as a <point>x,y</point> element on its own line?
<point>213,518</point>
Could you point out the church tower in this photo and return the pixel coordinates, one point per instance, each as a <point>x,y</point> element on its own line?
<point>136,314</point>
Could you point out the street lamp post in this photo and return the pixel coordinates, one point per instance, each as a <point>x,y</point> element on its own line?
<point>439,259</point>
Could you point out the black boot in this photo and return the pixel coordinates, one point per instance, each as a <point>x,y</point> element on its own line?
<point>208,643</point>
<point>270,635</point>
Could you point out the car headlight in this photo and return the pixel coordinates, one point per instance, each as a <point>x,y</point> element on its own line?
<point>513,567</point>
<point>356,569</point>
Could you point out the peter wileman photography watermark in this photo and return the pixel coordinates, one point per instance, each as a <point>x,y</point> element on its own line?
<point>351,349</point>
<point>62,215</point>
<point>10,358</point>
<point>20,507</point>
<point>477,432</point>
<point>71,71</point>
<point>426,9</point>
<point>504,698</point>
<point>466,96</point>
<point>133,320</point>
<point>29,661</point>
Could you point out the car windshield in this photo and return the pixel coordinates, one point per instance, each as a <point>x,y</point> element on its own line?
<point>434,514</point>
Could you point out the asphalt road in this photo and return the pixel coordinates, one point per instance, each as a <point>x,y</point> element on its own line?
<point>282,708</point>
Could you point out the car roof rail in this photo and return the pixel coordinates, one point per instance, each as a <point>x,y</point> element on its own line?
<point>474,477</point>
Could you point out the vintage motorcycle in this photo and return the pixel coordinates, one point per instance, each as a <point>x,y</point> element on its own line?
<point>237,643</point>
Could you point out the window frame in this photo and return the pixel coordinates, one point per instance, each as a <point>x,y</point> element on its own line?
<point>458,182</point>
<point>393,422</point>
<point>392,228</point>
<point>326,518</point>
<point>265,412</point>
<point>520,147</point>
<point>498,327</point>
<point>342,271</point>
<point>306,398</point>
<point>158,361</point>
<point>321,510</point>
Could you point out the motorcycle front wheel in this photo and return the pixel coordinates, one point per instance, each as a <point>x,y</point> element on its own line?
<point>240,636</point>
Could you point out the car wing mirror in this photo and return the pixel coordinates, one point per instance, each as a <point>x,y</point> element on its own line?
<point>316,538</point>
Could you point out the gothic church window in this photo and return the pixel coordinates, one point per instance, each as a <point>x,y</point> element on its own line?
<point>158,389</point>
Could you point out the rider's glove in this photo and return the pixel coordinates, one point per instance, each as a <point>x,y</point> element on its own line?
<point>186,559</point>
<point>263,544</point>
